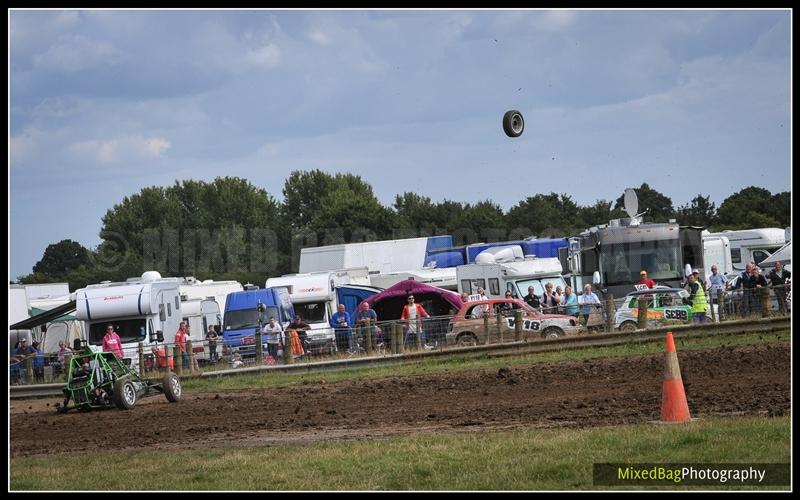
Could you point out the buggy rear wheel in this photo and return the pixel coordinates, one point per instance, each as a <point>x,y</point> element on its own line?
<point>124,394</point>
<point>172,387</point>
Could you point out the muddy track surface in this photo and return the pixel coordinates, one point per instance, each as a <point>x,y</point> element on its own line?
<point>743,380</point>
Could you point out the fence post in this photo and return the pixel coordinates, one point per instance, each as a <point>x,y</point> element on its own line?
<point>398,334</point>
<point>259,348</point>
<point>500,319</point>
<point>367,329</point>
<point>486,325</point>
<point>764,302</point>
<point>288,357</point>
<point>609,312</point>
<point>192,360</point>
<point>418,321</point>
<point>140,350</point>
<point>518,325</point>
<point>720,304</point>
<point>177,360</point>
<point>643,312</point>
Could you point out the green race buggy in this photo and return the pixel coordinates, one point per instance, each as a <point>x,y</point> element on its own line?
<point>100,379</point>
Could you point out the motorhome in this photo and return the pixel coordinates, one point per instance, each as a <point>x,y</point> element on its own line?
<point>316,296</point>
<point>503,272</point>
<point>752,244</point>
<point>146,310</point>
<point>199,314</point>
<point>717,252</point>
<point>192,288</point>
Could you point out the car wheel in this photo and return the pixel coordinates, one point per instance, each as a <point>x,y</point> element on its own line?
<point>172,387</point>
<point>466,339</point>
<point>513,123</point>
<point>628,326</point>
<point>124,394</point>
<point>552,332</point>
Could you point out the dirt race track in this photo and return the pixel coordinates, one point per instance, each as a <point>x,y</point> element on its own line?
<point>743,380</point>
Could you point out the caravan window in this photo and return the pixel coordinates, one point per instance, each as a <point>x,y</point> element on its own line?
<point>759,255</point>
<point>169,309</point>
<point>177,303</point>
<point>466,287</point>
<point>129,330</point>
<point>312,312</point>
<point>736,255</point>
<point>494,286</point>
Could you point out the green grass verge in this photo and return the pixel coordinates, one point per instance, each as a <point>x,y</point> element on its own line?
<point>550,459</point>
<point>455,363</point>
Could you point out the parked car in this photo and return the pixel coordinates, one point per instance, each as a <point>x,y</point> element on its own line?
<point>663,305</point>
<point>466,326</point>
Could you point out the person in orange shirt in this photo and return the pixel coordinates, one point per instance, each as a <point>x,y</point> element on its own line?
<point>162,360</point>
<point>180,343</point>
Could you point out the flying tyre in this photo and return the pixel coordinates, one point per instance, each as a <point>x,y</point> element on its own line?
<point>513,123</point>
<point>172,387</point>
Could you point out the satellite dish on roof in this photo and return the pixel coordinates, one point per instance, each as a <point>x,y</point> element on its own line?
<point>631,203</point>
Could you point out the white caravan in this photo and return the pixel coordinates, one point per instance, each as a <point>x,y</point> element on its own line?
<point>199,313</point>
<point>191,288</point>
<point>752,244</point>
<point>146,310</point>
<point>716,252</point>
<point>513,275</point>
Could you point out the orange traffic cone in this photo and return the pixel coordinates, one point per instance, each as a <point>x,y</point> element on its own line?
<point>674,407</point>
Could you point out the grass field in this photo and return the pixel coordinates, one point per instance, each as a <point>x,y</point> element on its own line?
<point>455,363</point>
<point>552,459</point>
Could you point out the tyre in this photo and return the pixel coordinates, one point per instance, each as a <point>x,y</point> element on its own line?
<point>551,332</point>
<point>628,326</point>
<point>466,339</point>
<point>124,394</point>
<point>513,123</point>
<point>172,387</point>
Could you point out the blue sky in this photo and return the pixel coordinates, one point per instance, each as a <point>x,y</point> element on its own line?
<point>103,103</point>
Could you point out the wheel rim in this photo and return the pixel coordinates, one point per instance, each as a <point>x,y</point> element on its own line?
<point>517,123</point>
<point>176,386</point>
<point>627,327</point>
<point>466,340</point>
<point>129,393</point>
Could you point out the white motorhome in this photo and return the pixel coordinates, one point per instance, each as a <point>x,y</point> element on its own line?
<point>316,296</point>
<point>199,313</point>
<point>191,288</point>
<point>716,252</point>
<point>138,310</point>
<point>513,275</point>
<point>752,244</point>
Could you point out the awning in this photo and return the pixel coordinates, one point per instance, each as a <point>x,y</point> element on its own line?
<point>783,254</point>
<point>45,317</point>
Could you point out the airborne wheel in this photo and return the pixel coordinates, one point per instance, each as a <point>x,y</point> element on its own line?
<point>513,123</point>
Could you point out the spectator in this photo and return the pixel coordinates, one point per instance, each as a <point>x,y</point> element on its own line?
<point>412,314</point>
<point>38,363</point>
<point>464,297</point>
<point>61,356</point>
<point>715,283</point>
<point>369,318</point>
<point>507,308</point>
<point>588,301</point>
<point>236,360</point>
<point>212,337</point>
<point>479,310</point>
<point>76,346</point>
<point>180,343</point>
<point>649,283</point>
<point>275,338</point>
<point>550,300</point>
<point>697,298</point>
<point>161,358</point>
<point>532,299</point>
<point>301,327</point>
<point>344,333</point>
<point>112,342</point>
<point>570,302</point>
<point>778,280</point>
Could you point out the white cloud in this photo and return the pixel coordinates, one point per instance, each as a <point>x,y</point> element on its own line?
<point>119,150</point>
<point>155,147</point>
<point>72,53</point>
<point>96,151</point>
<point>320,38</point>
<point>267,56</point>
<point>555,20</point>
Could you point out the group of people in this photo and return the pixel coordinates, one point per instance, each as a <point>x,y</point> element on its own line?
<point>351,341</point>
<point>553,301</point>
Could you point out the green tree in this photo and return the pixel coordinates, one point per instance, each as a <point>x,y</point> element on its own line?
<point>751,207</point>
<point>546,215</point>
<point>304,193</point>
<point>597,214</point>
<point>659,207</point>
<point>782,208</point>
<point>61,258</point>
<point>700,212</point>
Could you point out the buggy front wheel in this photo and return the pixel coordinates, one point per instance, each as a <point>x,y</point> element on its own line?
<point>124,394</point>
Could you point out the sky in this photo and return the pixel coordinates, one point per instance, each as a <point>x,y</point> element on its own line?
<point>103,103</point>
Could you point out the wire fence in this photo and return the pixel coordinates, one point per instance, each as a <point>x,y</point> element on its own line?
<point>385,338</point>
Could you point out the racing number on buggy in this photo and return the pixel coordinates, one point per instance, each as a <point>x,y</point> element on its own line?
<point>680,314</point>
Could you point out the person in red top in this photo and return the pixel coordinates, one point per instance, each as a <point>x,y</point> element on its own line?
<point>180,343</point>
<point>413,314</point>
<point>162,360</point>
<point>645,280</point>
<point>112,342</point>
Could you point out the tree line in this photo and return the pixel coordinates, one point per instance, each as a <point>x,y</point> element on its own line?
<point>231,229</point>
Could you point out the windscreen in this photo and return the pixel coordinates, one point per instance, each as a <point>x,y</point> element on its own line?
<point>129,330</point>
<point>247,319</point>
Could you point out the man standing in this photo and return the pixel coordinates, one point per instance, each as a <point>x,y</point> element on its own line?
<point>369,319</point>
<point>532,299</point>
<point>413,314</point>
<point>588,301</point>
<point>645,280</point>
<point>697,298</point>
<point>211,337</point>
<point>180,343</point>
<point>716,282</point>
<point>344,333</point>
<point>275,338</point>
<point>570,302</point>
<point>778,278</point>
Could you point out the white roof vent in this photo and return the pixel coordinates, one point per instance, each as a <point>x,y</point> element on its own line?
<point>149,276</point>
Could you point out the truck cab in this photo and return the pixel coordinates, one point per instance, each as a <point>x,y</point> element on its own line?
<point>242,318</point>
